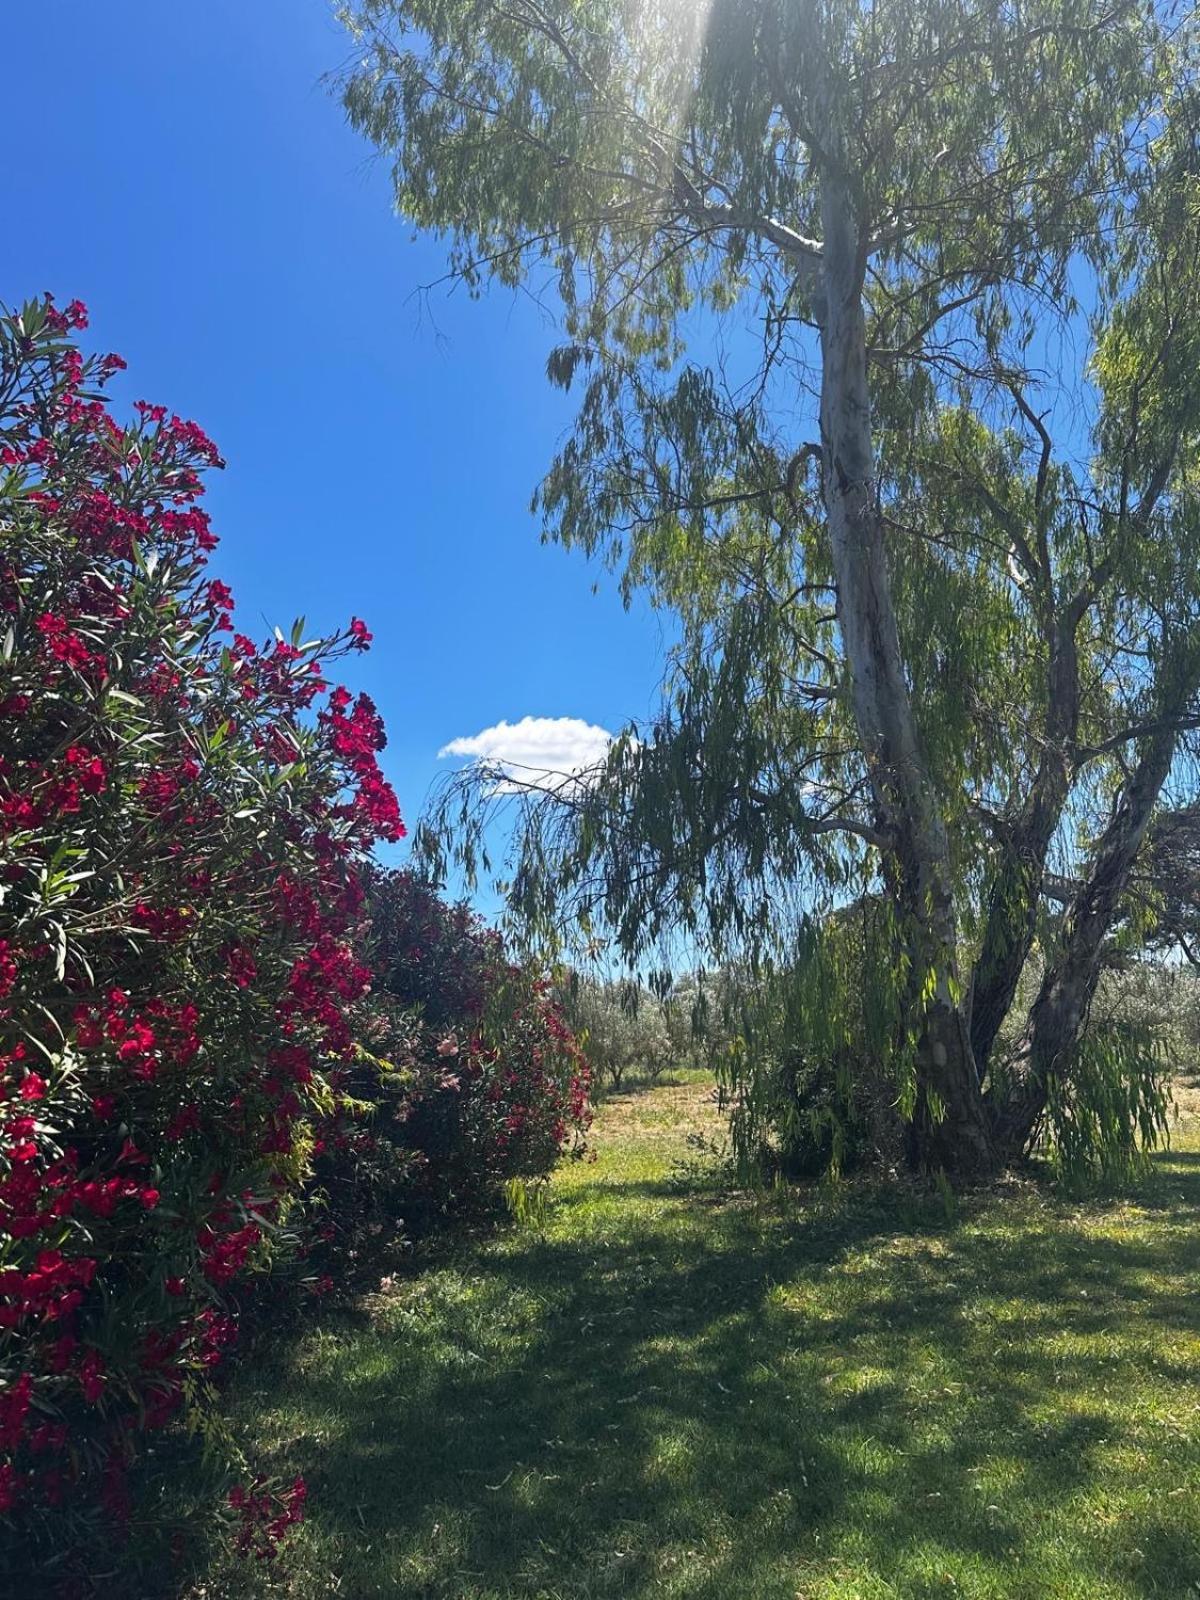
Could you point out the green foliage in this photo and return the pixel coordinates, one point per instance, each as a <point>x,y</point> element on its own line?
<point>621,1026</point>
<point>485,1085</point>
<point>1114,1106</point>
<point>1017,189</point>
<point>1111,1108</point>
<point>820,1082</point>
<point>1104,1116</point>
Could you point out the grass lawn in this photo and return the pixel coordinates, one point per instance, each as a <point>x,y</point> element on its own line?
<point>670,1390</point>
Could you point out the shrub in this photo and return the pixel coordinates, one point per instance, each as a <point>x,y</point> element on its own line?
<point>183,819</point>
<point>805,1078</point>
<point>489,1084</point>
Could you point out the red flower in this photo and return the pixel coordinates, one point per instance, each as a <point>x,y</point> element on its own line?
<point>242,968</point>
<point>90,773</point>
<point>14,1408</point>
<point>91,1376</point>
<point>62,644</point>
<point>8,969</point>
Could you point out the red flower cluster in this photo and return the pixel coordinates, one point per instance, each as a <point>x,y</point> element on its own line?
<point>265,1515</point>
<point>357,738</point>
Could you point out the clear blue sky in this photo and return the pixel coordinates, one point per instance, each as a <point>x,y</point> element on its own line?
<point>181,168</point>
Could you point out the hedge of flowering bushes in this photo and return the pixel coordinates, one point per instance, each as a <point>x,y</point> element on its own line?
<point>469,1080</point>
<point>186,1066</point>
<point>494,1086</point>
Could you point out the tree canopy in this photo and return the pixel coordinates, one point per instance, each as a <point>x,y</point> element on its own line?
<point>883,316</point>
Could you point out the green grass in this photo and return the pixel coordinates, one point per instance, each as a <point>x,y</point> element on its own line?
<point>674,1391</point>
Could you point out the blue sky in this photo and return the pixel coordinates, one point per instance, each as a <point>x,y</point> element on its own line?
<point>183,170</point>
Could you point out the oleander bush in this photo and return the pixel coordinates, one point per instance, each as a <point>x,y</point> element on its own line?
<point>494,1086</point>
<point>185,815</point>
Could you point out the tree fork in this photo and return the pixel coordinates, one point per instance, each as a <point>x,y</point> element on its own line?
<point>1061,1008</point>
<point>1013,901</point>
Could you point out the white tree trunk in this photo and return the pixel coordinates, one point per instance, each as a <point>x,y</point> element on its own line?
<point>906,806</point>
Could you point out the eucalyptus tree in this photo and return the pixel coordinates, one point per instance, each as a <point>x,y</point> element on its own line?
<point>883,316</point>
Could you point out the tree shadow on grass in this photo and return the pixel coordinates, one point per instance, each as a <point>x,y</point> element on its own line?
<point>726,1405</point>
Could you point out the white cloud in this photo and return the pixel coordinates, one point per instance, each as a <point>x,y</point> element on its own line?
<point>537,751</point>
